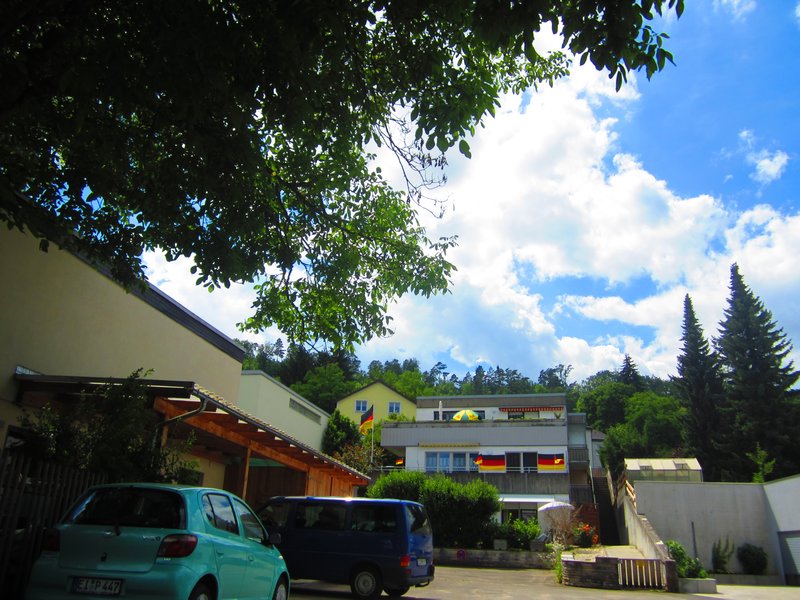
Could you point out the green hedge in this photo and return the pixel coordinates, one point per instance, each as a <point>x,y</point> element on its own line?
<point>461,514</point>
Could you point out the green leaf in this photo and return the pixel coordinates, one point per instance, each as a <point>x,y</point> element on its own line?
<point>463,147</point>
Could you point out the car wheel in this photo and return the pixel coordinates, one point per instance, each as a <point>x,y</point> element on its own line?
<point>395,592</point>
<point>281,591</point>
<point>365,584</point>
<point>201,592</point>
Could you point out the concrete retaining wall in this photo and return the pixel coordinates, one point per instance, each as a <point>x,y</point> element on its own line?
<point>503,559</point>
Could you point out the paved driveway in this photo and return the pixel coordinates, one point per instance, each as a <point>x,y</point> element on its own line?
<point>457,583</point>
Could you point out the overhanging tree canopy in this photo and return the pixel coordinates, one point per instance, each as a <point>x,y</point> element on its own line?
<point>235,133</point>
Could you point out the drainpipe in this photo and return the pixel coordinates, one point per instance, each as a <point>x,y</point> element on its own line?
<point>178,418</point>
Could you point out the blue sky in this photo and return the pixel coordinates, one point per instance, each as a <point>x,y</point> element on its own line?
<point>586,214</point>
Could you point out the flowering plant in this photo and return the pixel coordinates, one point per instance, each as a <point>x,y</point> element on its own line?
<point>585,535</point>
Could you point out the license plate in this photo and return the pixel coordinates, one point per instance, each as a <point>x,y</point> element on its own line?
<point>421,562</point>
<point>96,586</point>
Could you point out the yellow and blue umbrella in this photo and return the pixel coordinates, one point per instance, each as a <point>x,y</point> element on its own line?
<point>466,415</point>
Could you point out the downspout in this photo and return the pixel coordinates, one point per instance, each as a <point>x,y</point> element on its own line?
<point>186,415</point>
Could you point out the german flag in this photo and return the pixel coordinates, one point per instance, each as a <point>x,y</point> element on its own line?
<point>491,462</point>
<point>366,420</point>
<point>551,462</point>
<point>399,462</point>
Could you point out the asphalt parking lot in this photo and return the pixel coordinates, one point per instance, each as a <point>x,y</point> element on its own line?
<point>456,583</point>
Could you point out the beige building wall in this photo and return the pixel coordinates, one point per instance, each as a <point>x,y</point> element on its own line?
<point>60,316</point>
<point>379,395</point>
<point>272,402</point>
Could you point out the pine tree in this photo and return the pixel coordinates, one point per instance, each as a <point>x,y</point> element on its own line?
<point>760,406</point>
<point>699,386</point>
<point>629,374</point>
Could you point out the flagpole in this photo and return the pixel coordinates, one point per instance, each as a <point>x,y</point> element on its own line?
<point>372,446</point>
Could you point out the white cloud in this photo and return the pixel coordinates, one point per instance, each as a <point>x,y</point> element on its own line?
<point>769,166</point>
<point>738,8</point>
<point>797,13</point>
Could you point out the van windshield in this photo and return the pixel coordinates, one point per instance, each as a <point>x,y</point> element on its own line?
<point>418,519</point>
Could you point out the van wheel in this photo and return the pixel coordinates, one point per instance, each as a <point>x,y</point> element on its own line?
<point>365,584</point>
<point>395,592</point>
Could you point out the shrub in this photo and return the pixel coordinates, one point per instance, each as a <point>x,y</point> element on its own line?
<point>752,558</point>
<point>559,568</point>
<point>404,485</point>
<point>686,566</point>
<point>720,555</point>
<point>585,535</point>
<point>519,533</point>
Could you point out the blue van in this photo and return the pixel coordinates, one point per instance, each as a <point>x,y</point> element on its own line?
<point>371,544</point>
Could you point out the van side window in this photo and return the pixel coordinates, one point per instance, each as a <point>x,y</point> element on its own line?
<point>381,518</point>
<point>274,515</point>
<point>325,516</point>
<point>418,520</point>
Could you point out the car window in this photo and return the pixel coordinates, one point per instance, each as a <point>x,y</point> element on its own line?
<point>219,512</point>
<point>131,507</point>
<point>380,518</point>
<point>250,523</point>
<point>323,515</point>
<point>418,519</point>
<point>274,515</point>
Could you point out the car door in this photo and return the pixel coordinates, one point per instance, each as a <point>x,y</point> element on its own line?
<point>229,547</point>
<point>262,558</point>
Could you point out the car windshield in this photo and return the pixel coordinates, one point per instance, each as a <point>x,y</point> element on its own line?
<point>130,507</point>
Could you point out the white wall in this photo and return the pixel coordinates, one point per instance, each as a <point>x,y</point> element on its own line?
<point>262,396</point>
<point>783,496</point>
<point>737,511</point>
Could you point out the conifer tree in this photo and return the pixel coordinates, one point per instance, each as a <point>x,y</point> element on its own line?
<point>629,374</point>
<point>699,386</point>
<point>760,406</point>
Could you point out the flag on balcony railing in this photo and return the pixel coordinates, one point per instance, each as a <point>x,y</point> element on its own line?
<point>399,462</point>
<point>491,462</point>
<point>366,420</point>
<point>551,462</point>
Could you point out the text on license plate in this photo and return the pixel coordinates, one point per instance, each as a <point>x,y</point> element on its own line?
<point>97,586</point>
<point>421,562</point>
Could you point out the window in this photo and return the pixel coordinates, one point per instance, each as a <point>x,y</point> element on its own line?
<point>131,507</point>
<point>447,415</point>
<point>437,461</point>
<point>321,515</point>
<point>459,461</point>
<point>394,408</point>
<point>380,518</point>
<point>418,520</point>
<point>521,462</point>
<point>473,456</point>
<point>361,406</point>
<point>219,512</point>
<point>274,515</point>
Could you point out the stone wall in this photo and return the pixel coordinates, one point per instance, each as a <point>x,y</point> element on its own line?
<point>602,573</point>
<point>509,559</point>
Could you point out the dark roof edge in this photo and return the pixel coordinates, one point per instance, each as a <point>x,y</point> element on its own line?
<point>175,311</point>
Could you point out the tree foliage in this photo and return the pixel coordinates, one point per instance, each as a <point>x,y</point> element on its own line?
<point>760,408</point>
<point>699,385</point>
<point>652,428</point>
<point>110,432</point>
<point>605,404</point>
<point>235,133</point>
<point>339,432</point>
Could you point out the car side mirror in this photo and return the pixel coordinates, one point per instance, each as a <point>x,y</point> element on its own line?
<point>274,539</point>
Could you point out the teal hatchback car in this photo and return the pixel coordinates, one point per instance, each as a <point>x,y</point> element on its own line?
<point>159,542</point>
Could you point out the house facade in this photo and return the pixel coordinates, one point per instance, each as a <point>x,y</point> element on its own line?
<point>66,328</point>
<point>383,399</point>
<point>526,445</point>
<point>268,399</point>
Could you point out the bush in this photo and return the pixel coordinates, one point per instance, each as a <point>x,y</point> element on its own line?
<point>404,485</point>
<point>686,566</point>
<point>752,558</point>
<point>519,533</point>
<point>720,555</point>
<point>461,514</point>
<point>585,535</point>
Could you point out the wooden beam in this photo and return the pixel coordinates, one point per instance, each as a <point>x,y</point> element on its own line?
<point>204,423</point>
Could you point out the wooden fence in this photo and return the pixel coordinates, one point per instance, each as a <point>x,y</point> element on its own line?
<point>641,573</point>
<point>33,496</point>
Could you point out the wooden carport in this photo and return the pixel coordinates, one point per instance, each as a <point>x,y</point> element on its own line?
<point>223,433</point>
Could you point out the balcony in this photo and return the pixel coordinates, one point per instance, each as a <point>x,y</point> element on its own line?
<point>515,483</point>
